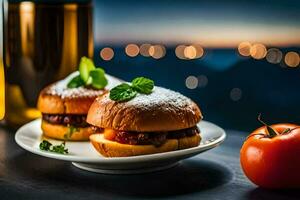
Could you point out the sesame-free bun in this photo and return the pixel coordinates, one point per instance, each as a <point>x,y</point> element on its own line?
<point>162,110</point>
<point>110,148</point>
<point>58,131</point>
<point>78,100</point>
<point>57,98</point>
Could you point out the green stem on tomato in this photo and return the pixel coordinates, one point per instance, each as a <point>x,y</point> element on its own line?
<point>270,131</point>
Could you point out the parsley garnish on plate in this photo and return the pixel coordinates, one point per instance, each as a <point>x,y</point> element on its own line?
<point>47,146</point>
<point>125,92</point>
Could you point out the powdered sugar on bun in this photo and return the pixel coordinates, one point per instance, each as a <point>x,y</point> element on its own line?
<point>73,92</point>
<point>59,99</point>
<point>60,88</point>
<point>161,98</point>
<point>162,110</point>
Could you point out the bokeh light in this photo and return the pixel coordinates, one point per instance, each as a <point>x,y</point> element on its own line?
<point>179,51</point>
<point>132,50</point>
<point>258,51</point>
<point>157,51</point>
<point>292,59</point>
<point>199,50</point>
<point>274,56</point>
<point>244,48</point>
<point>202,81</point>
<point>190,52</point>
<point>191,82</point>
<point>235,94</point>
<point>107,53</point>
<point>144,50</point>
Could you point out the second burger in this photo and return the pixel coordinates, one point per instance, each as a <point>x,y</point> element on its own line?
<point>138,118</point>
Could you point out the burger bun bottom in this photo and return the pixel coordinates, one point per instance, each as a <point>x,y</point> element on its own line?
<point>59,132</point>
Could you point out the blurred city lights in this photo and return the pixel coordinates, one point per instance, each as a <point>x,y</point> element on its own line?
<point>235,94</point>
<point>274,56</point>
<point>202,81</point>
<point>191,82</point>
<point>258,51</point>
<point>292,59</point>
<point>190,52</point>
<point>107,53</point>
<point>144,50</point>
<point>179,51</point>
<point>157,51</point>
<point>132,50</point>
<point>244,48</point>
<point>199,50</point>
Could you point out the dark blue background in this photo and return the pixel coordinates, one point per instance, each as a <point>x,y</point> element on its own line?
<point>270,89</point>
<point>266,88</point>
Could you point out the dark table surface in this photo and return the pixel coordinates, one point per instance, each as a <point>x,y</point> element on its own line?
<point>215,174</point>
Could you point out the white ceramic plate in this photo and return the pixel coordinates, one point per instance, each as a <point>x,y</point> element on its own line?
<point>84,156</point>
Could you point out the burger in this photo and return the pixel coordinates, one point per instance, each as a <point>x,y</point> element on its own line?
<point>64,111</point>
<point>64,104</point>
<point>160,121</point>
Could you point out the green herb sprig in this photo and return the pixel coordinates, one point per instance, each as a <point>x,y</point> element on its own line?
<point>47,146</point>
<point>89,75</point>
<point>125,92</point>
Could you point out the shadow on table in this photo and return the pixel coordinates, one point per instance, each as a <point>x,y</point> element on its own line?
<point>260,193</point>
<point>192,175</point>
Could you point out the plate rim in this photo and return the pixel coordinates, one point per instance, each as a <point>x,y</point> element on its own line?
<point>120,160</point>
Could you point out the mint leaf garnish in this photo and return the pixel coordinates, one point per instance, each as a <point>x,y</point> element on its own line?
<point>89,75</point>
<point>75,82</point>
<point>98,78</point>
<point>123,92</point>
<point>85,66</point>
<point>143,85</point>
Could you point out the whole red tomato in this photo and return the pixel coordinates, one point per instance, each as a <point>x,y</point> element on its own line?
<point>270,157</point>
